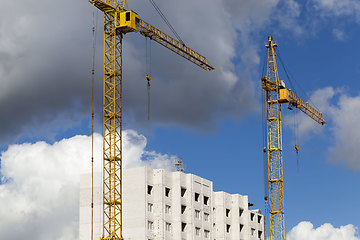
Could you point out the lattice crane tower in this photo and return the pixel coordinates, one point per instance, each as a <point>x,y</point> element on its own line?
<point>118,21</point>
<point>276,94</point>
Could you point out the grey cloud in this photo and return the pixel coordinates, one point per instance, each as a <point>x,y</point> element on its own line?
<point>45,65</point>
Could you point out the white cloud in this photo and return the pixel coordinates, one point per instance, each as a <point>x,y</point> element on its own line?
<point>288,16</point>
<point>306,231</point>
<point>342,114</point>
<point>346,129</point>
<point>343,8</point>
<point>339,34</point>
<point>306,125</point>
<point>40,190</point>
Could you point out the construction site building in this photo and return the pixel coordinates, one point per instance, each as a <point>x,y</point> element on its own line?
<point>160,204</point>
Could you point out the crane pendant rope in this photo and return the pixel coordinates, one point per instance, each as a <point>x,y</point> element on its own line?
<point>92,123</point>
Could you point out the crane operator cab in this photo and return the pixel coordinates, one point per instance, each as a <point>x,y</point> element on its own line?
<point>127,22</point>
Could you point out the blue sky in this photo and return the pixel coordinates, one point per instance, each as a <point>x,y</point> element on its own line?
<point>211,120</point>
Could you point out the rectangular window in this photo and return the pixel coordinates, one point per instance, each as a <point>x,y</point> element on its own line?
<point>183,208</point>
<point>227,212</point>
<point>149,189</point>
<point>197,231</point>
<point>206,200</point>
<point>150,225</point>
<point>167,192</point>
<point>150,207</point>
<point>252,215</point>
<point>168,227</point>
<point>197,214</point>
<point>228,228</point>
<point>197,196</point>
<point>241,227</point>
<point>127,16</point>
<point>183,226</point>
<point>259,219</point>
<point>206,217</point>
<point>259,234</point>
<point>183,191</point>
<point>241,211</point>
<point>167,209</point>
<point>252,231</point>
<point>206,233</point>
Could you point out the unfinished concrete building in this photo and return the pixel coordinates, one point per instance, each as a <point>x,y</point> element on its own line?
<point>159,204</point>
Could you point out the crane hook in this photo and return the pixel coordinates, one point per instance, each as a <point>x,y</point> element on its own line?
<point>297,148</point>
<point>148,78</point>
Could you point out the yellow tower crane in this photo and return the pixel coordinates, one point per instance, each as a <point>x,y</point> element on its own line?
<point>276,94</point>
<point>118,20</point>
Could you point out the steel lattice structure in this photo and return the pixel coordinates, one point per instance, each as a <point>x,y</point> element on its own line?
<point>112,146</point>
<point>276,94</point>
<point>117,22</point>
<point>274,148</point>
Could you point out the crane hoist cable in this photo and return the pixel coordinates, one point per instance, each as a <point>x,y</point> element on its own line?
<point>92,124</point>
<point>166,21</point>
<point>265,162</point>
<point>148,52</point>
<point>94,31</point>
<point>148,72</point>
<point>290,78</point>
<point>296,146</point>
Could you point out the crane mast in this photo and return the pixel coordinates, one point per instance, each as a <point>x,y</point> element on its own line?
<point>275,200</point>
<point>117,22</point>
<point>276,94</point>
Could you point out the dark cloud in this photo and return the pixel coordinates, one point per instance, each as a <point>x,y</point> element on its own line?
<point>45,66</point>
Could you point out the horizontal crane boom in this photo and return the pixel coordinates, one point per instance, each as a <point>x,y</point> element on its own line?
<point>174,45</point>
<point>110,5</point>
<point>289,96</point>
<point>129,21</point>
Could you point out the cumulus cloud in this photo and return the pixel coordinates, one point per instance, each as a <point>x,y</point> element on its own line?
<point>344,8</point>
<point>346,129</point>
<point>40,183</point>
<point>342,113</point>
<point>45,64</point>
<point>306,231</point>
<point>339,34</point>
<point>307,126</point>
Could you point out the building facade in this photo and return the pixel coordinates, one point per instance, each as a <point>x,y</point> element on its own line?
<point>159,204</point>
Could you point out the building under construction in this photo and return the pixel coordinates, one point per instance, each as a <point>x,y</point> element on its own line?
<point>160,204</point>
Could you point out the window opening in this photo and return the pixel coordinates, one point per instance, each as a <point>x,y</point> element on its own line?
<point>149,189</point>
<point>206,200</point>
<point>197,195</point>
<point>227,212</point>
<point>183,191</point>
<point>167,192</point>
<point>183,208</point>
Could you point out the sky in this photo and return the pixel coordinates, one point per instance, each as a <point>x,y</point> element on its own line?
<point>212,120</point>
